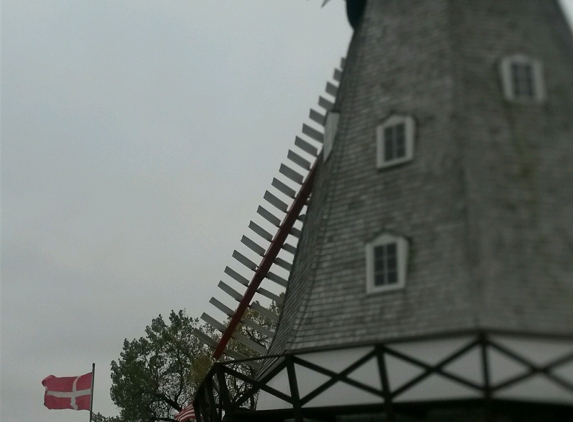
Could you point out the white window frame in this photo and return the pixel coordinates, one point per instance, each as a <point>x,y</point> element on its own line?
<point>401,264</point>
<point>539,94</point>
<point>410,134</point>
<point>330,129</point>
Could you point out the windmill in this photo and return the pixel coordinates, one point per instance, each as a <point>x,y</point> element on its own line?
<point>432,229</point>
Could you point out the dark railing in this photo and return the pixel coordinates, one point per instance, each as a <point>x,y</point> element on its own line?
<point>230,390</point>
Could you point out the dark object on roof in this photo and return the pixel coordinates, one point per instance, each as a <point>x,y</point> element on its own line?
<point>354,11</point>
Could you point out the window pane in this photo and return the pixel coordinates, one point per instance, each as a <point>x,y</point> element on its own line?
<point>379,260</point>
<point>400,147</point>
<point>389,133</point>
<point>522,80</point>
<point>379,280</point>
<point>516,79</point>
<point>391,249</point>
<point>388,150</point>
<point>395,142</point>
<point>389,143</point>
<point>519,80</point>
<point>391,264</point>
<point>392,277</point>
<point>528,80</point>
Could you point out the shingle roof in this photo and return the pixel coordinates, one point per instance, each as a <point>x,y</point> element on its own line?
<point>487,203</point>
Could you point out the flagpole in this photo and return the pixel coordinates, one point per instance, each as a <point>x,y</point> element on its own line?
<point>92,392</point>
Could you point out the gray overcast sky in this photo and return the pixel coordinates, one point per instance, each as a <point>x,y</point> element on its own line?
<point>138,138</point>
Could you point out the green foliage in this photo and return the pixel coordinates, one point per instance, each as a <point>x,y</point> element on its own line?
<point>253,334</point>
<point>236,386</point>
<point>157,375</point>
<point>98,417</point>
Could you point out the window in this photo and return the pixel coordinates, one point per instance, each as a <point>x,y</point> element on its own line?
<point>330,129</point>
<point>395,141</point>
<point>386,259</point>
<point>522,79</point>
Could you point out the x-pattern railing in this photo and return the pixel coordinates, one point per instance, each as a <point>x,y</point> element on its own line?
<point>214,402</point>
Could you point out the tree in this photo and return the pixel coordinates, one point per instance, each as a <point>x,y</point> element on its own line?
<point>98,417</point>
<point>237,387</point>
<point>157,375</point>
<point>253,334</point>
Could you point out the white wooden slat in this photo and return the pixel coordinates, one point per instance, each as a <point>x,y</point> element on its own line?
<point>244,260</point>
<point>276,202</point>
<point>315,116</point>
<point>291,193</point>
<point>337,75</point>
<point>264,311</point>
<point>236,335</point>
<point>312,133</point>
<point>270,295</point>
<point>295,232</point>
<point>235,275</point>
<point>259,348</point>
<point>306,147</point>
<point>253,246</point>
<point>277,279</point>
<point>282,263</point>
<point>270,217</point>
<point>263,330</point>
<point>220,306</point>
<point>260,231</point>
<point>213,322</point>
<point>331,89</point>
<point>205,338</point>
<point>289,248</point>
<point>227,311</point>
<point>297,159</point>
<point>325,104</point>
<point>291,174</point>
<point>230,291</point>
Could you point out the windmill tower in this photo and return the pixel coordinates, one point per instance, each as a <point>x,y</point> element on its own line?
<point>433,278</point>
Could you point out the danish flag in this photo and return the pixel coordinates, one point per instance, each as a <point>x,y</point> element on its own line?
<point>68,392</point>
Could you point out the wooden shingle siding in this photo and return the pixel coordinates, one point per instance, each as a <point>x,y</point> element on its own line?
<point>487,202</point>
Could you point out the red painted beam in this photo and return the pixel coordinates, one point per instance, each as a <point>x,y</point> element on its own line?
<point>267,261</point>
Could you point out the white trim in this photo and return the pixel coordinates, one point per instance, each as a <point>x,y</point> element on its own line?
<point>68,394</point>
<point>539,94</point>
<point>330,129</point>
<point>402,261</point>
<point>410,129</point>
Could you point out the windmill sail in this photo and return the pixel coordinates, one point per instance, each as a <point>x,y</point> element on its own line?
<point>288,204</point>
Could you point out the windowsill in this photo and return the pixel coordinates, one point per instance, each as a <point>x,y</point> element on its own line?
<point>525,101</point>
<point>384,289</point>
<point>394,163</point>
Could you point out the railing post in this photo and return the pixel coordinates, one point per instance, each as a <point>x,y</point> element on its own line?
<point>224,396</point>
<point>199,405</point>
<point>294,393</point>
<point>209,386</point>
<point>388,407</point>
<point>487,390</point>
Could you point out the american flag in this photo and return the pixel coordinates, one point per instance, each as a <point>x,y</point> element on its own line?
<point>186,413</point>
